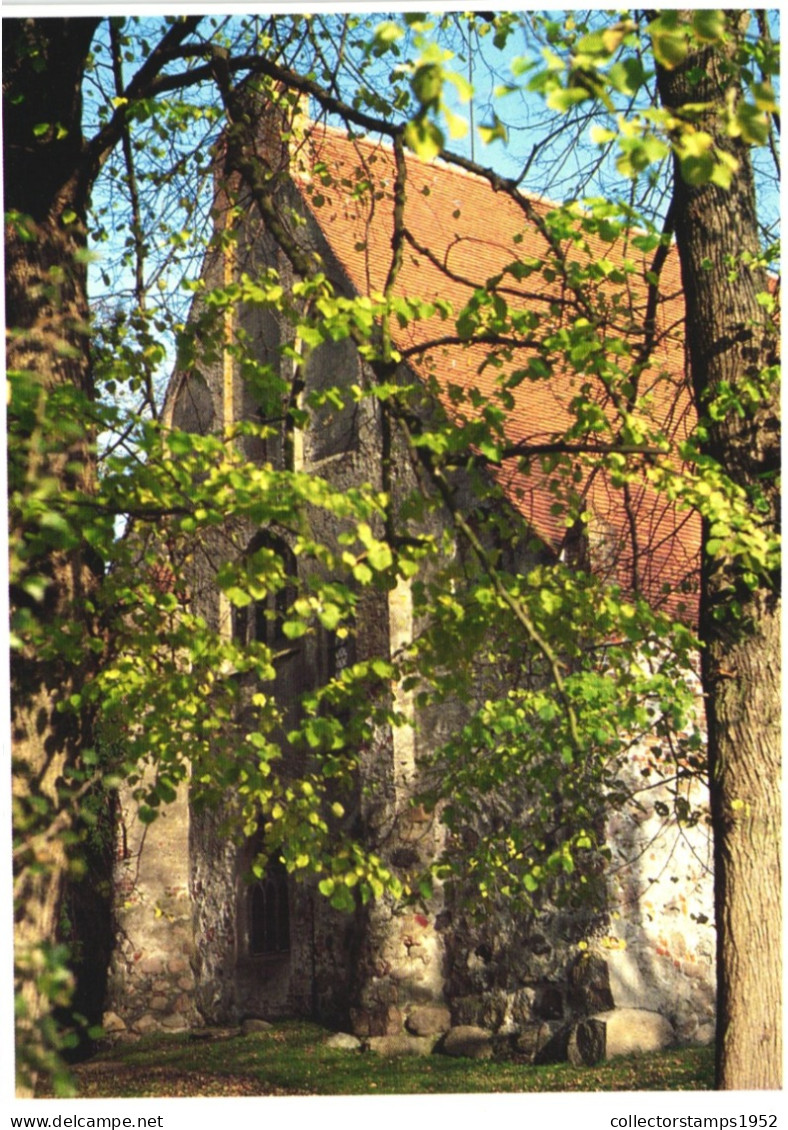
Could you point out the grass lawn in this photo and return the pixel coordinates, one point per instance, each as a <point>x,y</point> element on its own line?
<point>292,1059</point>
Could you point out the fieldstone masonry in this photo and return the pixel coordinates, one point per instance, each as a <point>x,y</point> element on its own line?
<point>152,985</point>
<point>660,946</point>
<point>404,973</point>
<point>391,974</point>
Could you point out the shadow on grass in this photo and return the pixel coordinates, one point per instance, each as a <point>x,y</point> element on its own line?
<point>292,1059</point>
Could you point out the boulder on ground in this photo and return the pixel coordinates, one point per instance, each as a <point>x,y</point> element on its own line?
<point>619,1031</point>
<point>175,1022</point>
<point>400,1045</point>
<point>429,1020</point>
<point>534,1039</point>
<point>213,1033</point>
<point>469,1041</point>
<point>112,1023</point>
<point>254,1024</point>
<point>343,1041</point>
<point>146,1024</point>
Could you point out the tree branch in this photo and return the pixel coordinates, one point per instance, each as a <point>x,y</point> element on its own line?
<point>526,450</point>
<point>142,85</point>
<point>136,218</point>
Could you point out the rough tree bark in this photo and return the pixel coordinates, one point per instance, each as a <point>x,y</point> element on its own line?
<point>49,172</point>
<point>729,340</point>
<point>47,341</point>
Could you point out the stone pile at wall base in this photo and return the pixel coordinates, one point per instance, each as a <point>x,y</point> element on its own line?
<point>614,1032</point>
<point>585,1043</point>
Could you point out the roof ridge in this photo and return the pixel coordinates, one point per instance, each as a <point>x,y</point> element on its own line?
<point>448,163</point>
<point>434,162</point>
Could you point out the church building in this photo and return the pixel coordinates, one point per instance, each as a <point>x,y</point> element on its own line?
<point>202,942</point>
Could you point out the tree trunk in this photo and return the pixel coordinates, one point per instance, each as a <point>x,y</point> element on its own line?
<point>729,341</point>
<point>51,453</point>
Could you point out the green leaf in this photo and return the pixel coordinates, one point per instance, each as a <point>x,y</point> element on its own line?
<point>362,573</point>
<point>764,97</point>
<point>724,169</point>
<point>697,170</point>
<point>294,629</point>
<point>709,25</point>
<point>495,132</point>
<point>458,127</point>
<point>627,76</point>
<point>380,557</point>
<point>751,124</point>
<point>387,33</point>
<point>490,451</point>
<point>538,369</point>
<point>424,138</point>
<point>563,98</point>
<point>550,601</point>
<point>601,135</point>
<point>342,899</point>
<point>669,40</point>
<point>239,598</point>
<point>330,616</point>
<point>427,84</point>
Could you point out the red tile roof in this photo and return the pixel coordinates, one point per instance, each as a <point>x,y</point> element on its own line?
<point>463,234</point>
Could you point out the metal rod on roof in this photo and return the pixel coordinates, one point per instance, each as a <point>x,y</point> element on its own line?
<point>470,82</point>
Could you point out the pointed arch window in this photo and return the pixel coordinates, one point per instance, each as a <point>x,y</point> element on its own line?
<point>264,619</point>
<point>269,913</point>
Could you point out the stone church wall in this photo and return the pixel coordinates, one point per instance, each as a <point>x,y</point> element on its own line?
<point>660,944</point>
<point>183,955</point>
<point>152,982</point>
